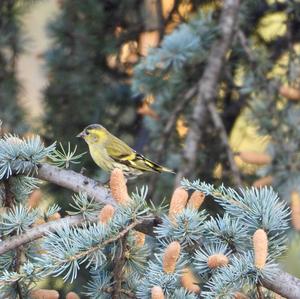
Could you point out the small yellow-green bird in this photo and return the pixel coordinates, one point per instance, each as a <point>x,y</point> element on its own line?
<point>109,152</point>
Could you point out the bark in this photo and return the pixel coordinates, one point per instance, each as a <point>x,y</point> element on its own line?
<point>76,182</point>
<point>283,284</point>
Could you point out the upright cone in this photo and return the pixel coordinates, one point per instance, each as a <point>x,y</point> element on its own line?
<point>260,246</point>
<point>196,200</point>
<point>72,295</point>
<point>171,256</point>
<point>189,281</point>
<point>118,186</point>
<point>157,293</point>
<point>217,260</point>
<point>178,202</point>
<point>106,213</point>
<point>295,208</point>
<point>44,294</point>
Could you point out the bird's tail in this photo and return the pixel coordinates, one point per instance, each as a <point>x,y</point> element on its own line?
<point>152,166</point>
<point>164,169</point>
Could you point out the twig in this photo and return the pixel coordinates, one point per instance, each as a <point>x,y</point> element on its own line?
<point>1,129</point>
<point>207,86</point>
<point>124,291</point>
<point>118,270</point>
<point>223,136</point>
<point>17,262</point>
<point>259,292</point>
<point>244,43</point>
<point>120,235</point>
<point>159,12</point>
<point>170,15</point>
<point>170,125</point>
<point>9,197</point>
<point>19,290</point>
<point>168,129</point>
<point>128,293</point>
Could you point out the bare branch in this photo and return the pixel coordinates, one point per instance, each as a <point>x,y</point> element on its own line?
<point>244,43</point>
<point>37,232</point>
<point>169,127</point>
<point>260,293</point>
<point>224,138</point>
<point>118,271</point>
<point>283,284</point>
<point>76,182</point>
<point>207,86</point>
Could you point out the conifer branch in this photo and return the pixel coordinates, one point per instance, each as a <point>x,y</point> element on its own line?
<point>224,138</point>
<point>146,226</point>
<point>118,271</point>
<point>207,86</point>
<point>120,235</point>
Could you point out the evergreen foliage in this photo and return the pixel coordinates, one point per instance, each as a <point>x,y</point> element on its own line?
<point>89,83</point>
<point>104,247</point>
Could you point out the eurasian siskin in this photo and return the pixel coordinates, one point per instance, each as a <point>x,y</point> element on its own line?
<point>110,152</point>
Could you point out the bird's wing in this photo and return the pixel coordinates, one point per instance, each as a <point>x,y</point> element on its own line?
<point>122,153</point>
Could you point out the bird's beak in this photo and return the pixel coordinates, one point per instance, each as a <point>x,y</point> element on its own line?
<point>81,135</point>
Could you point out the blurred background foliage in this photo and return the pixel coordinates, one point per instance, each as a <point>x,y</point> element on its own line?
<point>68,63</point>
